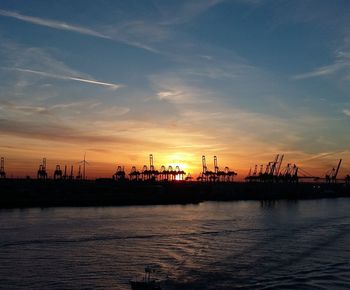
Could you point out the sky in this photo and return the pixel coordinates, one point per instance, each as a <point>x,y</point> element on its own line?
<point>118,80</point>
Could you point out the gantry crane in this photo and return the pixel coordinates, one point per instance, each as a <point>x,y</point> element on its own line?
<point>42,174</point>
<point>119,175</point>
<point>57,173</point>
<point>332,176</point>
<point>2,168</point>
<point>134,174</point>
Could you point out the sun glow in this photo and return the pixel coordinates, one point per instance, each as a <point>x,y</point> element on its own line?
<point>181,161</point>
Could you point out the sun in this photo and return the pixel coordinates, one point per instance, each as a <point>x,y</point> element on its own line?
<point>180,161</point>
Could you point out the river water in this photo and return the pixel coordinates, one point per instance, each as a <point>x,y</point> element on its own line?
<point>213,245</point>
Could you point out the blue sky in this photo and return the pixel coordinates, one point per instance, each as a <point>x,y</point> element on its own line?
<point>241,79</point>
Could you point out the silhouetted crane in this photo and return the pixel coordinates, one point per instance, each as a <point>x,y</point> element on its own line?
<point>65,172</point>
<point>163,173</point>
<point>170,173</point>
<point>189,177</point>
<point>134,174</point>
<point>119,175</point>
<point>289,174</point>
<point>71,176</point>
<point>206,174</point>
<point>255,170</point>
<point>57,173</point>
<point>179,174</point>
<point>2,168</point>
<point>278,167</point>
<point>347,179</point>
<point>42,174</point>
<point>153,174</point>
<point>331,177</point>
<point>145,173</point>
<point>79,176</point>
<point>218,175</point>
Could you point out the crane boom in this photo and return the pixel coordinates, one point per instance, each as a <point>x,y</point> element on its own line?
<point>337,170</point>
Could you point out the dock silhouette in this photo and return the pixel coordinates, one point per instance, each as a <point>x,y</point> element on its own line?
<point>168,185</point>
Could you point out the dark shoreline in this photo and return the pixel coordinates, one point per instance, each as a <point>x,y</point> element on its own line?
<point>22,193</point>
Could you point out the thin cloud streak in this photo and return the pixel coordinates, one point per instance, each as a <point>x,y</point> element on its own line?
<point>322,71</point>
<point>74,28</point>
<point>53,24</point>
<point>83,80</point>
<point>324,155</point>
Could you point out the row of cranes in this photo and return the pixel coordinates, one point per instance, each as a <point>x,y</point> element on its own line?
<point>331,176</point>
<point>151,174</point>
<point>217,175</point>
<point>59,173</point>
<point>273,172</point>
<point>171,173</point>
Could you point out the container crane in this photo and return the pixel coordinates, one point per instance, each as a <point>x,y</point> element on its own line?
<point>2,168</point>
<point>278,168</point>
<point>153,174</point>
<point>337,171</point>
<point>332,177</point>
<point>42,174</point>
<point>119,175</point>
<point>347,179</point>
<point>170,173</point>
<point>57,173</point>
<point>163,173</point>
<point>71,176</point>
<point>204,169</point>
<point>65,172</point>
<point>134,174</point>
<point>79,176</point>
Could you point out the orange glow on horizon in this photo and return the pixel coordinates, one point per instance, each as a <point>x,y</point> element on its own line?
<point>24,160</point>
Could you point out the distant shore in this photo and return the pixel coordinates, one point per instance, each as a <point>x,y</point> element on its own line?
<point>22,193</point>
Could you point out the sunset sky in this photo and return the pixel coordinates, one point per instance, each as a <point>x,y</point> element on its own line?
<point>240,79</point>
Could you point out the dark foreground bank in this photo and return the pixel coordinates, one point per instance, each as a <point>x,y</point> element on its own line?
<point>47,193</point>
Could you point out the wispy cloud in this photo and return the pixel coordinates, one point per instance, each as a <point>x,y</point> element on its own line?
<point>346,112</point>
<point>341,63</point>
<point>61,133</point>
<point>322,71</point>
<point>53,24</point>
<point>324,155</point>
<point>179,14</point>
<point>23,108</point>
<point>120,34</point>
<point>63,77</point>
<point>171,88</point>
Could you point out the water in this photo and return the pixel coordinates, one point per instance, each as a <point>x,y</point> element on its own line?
<point>227,245</point>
